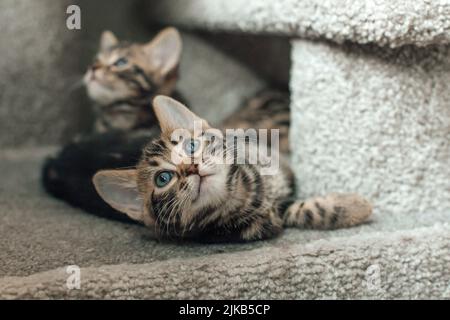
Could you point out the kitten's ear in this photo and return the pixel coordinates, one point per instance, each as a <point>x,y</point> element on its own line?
<point>119,189</point>
<point>108,40</point>
<point>173,115</point>
<point>164,51</point>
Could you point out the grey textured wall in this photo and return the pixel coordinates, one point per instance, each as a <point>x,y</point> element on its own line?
<point>34,104</point>
<point>375,121</point>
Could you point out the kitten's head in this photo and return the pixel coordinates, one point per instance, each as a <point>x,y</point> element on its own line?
<point>124,71</point>
<point>180,179</point>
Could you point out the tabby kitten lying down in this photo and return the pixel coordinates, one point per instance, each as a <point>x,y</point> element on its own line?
<point>183,188</point>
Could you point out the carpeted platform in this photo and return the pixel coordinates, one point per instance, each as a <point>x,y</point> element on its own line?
<point>40,237</point>
<point>385,22</point>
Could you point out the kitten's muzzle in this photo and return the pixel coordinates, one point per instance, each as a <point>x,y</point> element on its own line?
<point>190,169</point>
<point>92,69</point>
<point>193,169</point>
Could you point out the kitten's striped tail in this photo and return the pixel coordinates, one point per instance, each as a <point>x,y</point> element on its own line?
<point>333,211</point>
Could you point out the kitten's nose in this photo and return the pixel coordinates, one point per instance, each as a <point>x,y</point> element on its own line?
<point>191,169</point>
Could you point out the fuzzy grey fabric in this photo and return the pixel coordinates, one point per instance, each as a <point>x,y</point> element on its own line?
<point>375,121</point>
<point>404,265</point>
<point>385,22</point>
<point>36,104</point>
<point>402,256</point>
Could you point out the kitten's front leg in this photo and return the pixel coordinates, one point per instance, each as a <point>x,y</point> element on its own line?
<point>333,211</point>
<point>249,227</point>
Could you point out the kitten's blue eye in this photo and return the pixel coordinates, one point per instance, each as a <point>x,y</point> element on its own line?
<point>121,62</point>
<point>191,146</point>
<point>163,178</point>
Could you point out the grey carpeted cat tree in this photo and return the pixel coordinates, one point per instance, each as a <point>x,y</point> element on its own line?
<point>370,113</point>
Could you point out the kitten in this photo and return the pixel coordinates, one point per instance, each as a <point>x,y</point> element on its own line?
<point>125,77</point>
<point>183,189</point>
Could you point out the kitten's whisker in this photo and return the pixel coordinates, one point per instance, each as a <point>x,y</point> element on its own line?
<point>166,210</point>
<point>76,85</point>
<point>186,199</point>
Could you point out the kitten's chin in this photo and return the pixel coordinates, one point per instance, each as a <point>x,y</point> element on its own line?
<point>102,93</point>
<point>99,93</point>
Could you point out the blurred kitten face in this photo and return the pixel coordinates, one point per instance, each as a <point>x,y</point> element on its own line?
<point>124,72</point>
<point>103,81</point>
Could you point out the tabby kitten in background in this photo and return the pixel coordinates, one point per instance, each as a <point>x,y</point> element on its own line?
<point>204,198</point>
<point>125,77</point>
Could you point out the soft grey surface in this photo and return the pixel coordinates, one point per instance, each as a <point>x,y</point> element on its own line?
<point>38,234</point>
<point>385,22</point>
<point>36,76</point>
<point>375,121</point>
<point>268,55</point>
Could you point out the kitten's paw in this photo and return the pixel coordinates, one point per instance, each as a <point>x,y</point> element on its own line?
<point>351,208</point>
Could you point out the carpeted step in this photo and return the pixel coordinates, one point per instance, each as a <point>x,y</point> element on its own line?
<point>41,236</point>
